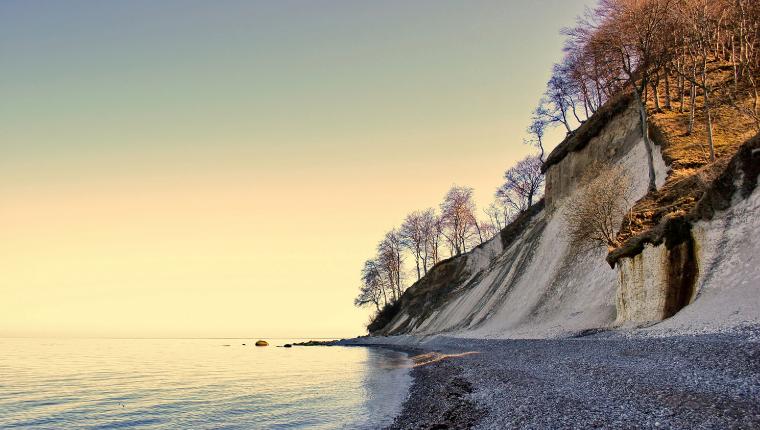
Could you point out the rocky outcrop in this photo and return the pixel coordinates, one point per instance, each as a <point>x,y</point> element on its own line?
<point>664,269</point>
<point>604,139</point>
<point>528,282</point>
<point>656,283</point>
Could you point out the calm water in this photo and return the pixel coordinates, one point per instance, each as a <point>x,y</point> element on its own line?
<point>196,384</point>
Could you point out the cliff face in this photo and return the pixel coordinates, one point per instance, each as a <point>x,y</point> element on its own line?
<point>706,259</point>
<point>656,283</point>
<point>528,282</point>
<point>603,140</point>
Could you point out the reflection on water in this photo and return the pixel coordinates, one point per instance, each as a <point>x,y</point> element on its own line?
<point>196,383</point>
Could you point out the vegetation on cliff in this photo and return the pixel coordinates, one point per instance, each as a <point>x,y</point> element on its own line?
<point>425,236</point>
<point>690,69</point>
<point>690,66</point>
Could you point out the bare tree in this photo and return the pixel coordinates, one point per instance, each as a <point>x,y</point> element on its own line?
<point>432,231</point>
<point>595,212</point>
<point>499,214</point>
<point>372,290</point>
<point>523,183</point>
<point>624,35</point>
<point>458,216</point>
<point>489,230</point>
<point>700,20</point>
<point>391,260</point>
<point>438,237</point>
<point>413,236</point>
<point>536,131</point>
<point>559,100</point>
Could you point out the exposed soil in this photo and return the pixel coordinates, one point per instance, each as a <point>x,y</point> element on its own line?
<point>687,154</point>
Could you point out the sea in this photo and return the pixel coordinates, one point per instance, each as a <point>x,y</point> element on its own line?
<point>197,384</point>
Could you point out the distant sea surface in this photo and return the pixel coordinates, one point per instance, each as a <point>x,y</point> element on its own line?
<point>196,384</point>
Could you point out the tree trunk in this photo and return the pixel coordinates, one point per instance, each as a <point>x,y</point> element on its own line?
<point>733,62</point>
<point>754,93</point>
<point>667,89</point>
<point>706,90</point>
<point>681,92</point>
<point>655,94</point>
<point>480,234</point>
<point>692,108</point>
<point>541,147</point>
<point>398,271</point>
<point>564,120</point>
<point>645,135</point>
<point>575,113</point>
<point>709,131</point>
<point>598,93</point>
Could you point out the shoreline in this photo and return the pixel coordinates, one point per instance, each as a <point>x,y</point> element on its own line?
<point>604,380</point>
<point>437,397</point>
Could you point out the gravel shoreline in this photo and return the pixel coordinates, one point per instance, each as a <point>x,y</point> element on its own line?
<point>597,381</point>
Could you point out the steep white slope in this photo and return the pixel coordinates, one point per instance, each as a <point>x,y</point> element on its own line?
<point>528,282</point>
<point>538,286</point>
<point>728,286</point>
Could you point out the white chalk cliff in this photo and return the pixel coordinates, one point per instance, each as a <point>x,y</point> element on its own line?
<point>528,282</point>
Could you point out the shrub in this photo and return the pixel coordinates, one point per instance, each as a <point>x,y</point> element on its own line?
<point>382,318</point>
<point>593,215</point>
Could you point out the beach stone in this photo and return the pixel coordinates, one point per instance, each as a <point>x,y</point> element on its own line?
<point>262,343</point>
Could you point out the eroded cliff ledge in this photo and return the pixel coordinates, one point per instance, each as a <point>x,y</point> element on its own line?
<point>665,268</point>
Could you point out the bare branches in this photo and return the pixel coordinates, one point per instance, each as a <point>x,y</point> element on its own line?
<point>413,234</point>
<point>500,214</point>
<point>432,230</point>
<point>594,213</point>
<point>373,289</point>
<point>523,184</point>
<point>639,45</point>
<point>536,130</point>
<point>390,261</point>
<point>458,215</point>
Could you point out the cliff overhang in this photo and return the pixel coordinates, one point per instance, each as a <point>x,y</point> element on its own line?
<point>674,230</point>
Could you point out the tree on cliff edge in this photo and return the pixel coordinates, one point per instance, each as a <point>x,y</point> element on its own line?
<point>523,184</point>
<point>413,236</point>
<point>458,216</point>
<point>391,260</point>
<point>625,36</point>
<point>372,290</point>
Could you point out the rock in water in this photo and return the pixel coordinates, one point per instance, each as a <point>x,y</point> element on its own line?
<point>287,345</point>
<point>262,343</point>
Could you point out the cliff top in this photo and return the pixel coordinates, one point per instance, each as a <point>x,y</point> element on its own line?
<point>579,138</point>
<point>691,175</point>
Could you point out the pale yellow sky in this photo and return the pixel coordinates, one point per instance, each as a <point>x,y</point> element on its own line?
<point>223,169</point>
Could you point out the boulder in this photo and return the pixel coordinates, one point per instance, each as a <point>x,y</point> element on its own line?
<point>262,343</point>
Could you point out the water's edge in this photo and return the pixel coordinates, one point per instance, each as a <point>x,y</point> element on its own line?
<point>172,384</point>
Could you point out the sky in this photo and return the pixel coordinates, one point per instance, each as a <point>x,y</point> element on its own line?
<point>182,168</point>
